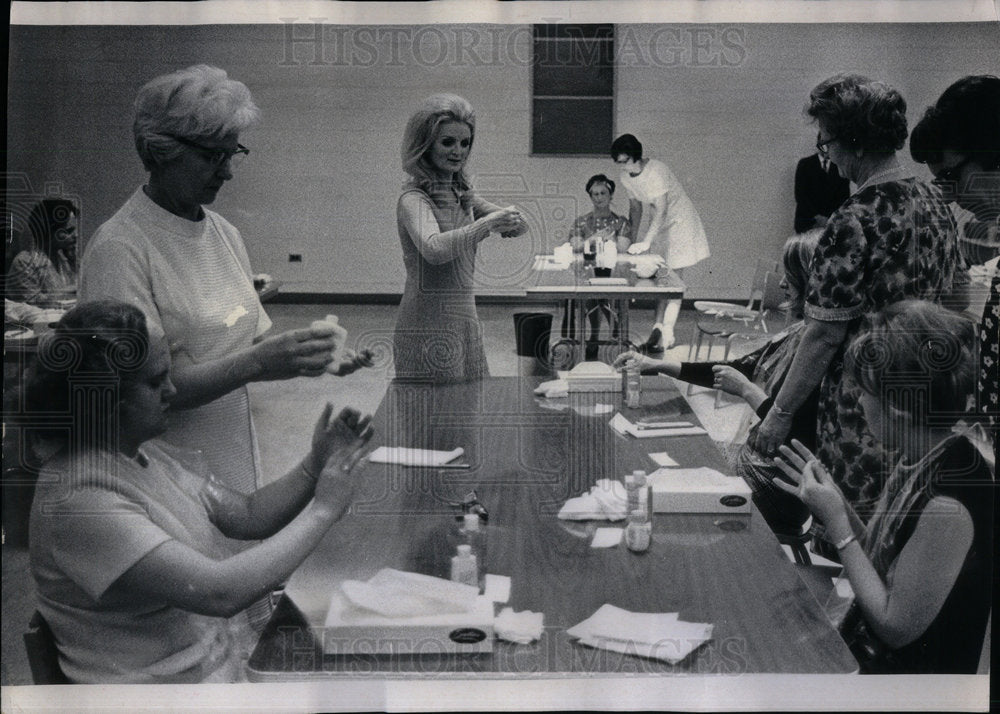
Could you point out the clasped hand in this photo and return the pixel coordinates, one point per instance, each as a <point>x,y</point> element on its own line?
<point>338,444</point>
<point>633,360</point>
<point>508,222</point>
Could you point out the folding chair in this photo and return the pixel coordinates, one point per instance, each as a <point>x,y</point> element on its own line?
<point>43,655</point>
<point>734,311</point>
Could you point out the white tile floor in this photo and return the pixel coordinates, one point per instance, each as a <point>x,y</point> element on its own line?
<point>285,412</point>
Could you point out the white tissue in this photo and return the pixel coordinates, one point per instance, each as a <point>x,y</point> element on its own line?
<point>647,634</point>
<point>394,593</point>
<point>330,326</point>
<point>606,500</point>
<point>520,627</point>
<point>553,389</point>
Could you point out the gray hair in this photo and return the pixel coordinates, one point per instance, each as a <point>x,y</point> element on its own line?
<point>195,103</point>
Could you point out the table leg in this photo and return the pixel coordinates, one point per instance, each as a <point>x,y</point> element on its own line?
<point>623,328</point>
<point>581,322</point>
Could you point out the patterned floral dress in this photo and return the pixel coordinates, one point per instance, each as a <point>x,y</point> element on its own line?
<point>888,242</point>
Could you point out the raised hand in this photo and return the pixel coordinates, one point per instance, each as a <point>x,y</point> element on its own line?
<point>338,445</point>
<point>812,482</point>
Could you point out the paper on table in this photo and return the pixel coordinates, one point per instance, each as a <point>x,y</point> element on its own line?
<point>551,262</point>
<point>623,426</point>
<point>553,389</point>
<point>413,457</point>
<point>606,537</point>
<point>497,588</point>
<point>662,459</point>
<point>657,635</point>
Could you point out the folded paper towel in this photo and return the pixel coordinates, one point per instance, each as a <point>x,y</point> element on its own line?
<point>520,627</point>
<point>413,457</point>
<point>656,635</point>
<point>606,500</point>
<point>553,389</point>
<point>394,593</point>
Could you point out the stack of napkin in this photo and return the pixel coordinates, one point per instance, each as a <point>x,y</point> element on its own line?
<point>607,500</point>
<point>553,389</point>
<point>655,635</point>
<point>394,593</point>
<point>520,627</point>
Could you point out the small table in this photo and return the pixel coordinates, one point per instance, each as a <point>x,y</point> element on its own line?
<point>577,283</point>
<point>526,459</point>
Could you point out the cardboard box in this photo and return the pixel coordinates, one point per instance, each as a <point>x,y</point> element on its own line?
<point>701,490</point>
<point>350,630</point>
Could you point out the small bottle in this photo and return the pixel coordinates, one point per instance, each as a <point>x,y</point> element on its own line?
<point>642,491</point>
<point>633,385</point>
<point>474,535</point>
<point>631,492</point>
<point>638,532</point>
<point>463,566</point>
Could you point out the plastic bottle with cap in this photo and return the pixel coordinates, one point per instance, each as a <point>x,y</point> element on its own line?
<point>633,385</point>
<point>463,566</point>
<point>635,489</point>
<point>638,532</point>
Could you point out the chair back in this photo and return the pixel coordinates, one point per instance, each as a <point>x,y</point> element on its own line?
<point>43,655</point>
<point>772,300</point>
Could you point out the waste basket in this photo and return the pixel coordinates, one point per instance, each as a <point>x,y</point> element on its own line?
<point>532,331</point>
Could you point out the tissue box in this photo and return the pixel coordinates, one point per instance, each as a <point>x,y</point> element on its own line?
<point>593,377</point>
<point>701,490</point>
<point>353,631</point>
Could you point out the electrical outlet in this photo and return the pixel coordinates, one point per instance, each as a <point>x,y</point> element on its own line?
<point>295,257</point>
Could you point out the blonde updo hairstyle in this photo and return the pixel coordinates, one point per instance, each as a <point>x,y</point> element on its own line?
<point>421,132</point>
<point>197,103</point>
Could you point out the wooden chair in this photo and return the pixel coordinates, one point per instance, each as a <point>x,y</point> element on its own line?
<point>43,655</point>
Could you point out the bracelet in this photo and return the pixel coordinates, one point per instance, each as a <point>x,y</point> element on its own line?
<point>841,544</point>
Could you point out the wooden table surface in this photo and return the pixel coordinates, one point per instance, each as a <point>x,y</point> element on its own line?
<point>527,457</point>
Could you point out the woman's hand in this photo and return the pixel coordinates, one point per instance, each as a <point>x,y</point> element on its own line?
<point>508,222</point>
<point>730,380</point>
<point>814,486</point>
<point>640,247</point>
<point>351,361</point>
<point>338,445</point>
<point>632,359</point>
<point>772,431</point>
<point>302,352</point>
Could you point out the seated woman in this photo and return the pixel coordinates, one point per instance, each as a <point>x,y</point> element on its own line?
<point>602,223</point>
<point>45,273</point>
<point>125,533</point>
<point>757,377</point>
<point>921,569</point>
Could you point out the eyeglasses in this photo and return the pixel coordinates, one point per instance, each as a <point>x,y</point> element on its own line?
<point>948,178</point>
<point>823,146</point>
<point>216,157</point>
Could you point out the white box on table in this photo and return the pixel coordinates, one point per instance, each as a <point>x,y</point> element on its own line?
<point>353,631</point>
<point>701,490</point>
<point>593,377</point>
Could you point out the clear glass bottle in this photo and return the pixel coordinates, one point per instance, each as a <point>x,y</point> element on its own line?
<point>633,386</point>
<point>463,566</point>
<point>474,534</point>
<point>638,532</point>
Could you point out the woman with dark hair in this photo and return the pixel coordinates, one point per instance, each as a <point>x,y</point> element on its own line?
<point>674,229</point>
<point>46,273</point>
<point>921,568</point>
<point>959,140</point>
<point>893,239</point>
<point>600,224</point>
<point>441,222</point>
<point>125,531</point>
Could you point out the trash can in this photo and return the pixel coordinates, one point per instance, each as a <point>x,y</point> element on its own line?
<point>532,331</point>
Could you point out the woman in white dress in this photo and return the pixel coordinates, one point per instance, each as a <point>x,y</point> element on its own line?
<point>674,228</point>
<point>186,268</point>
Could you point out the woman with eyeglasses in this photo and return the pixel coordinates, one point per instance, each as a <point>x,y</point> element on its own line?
<point>959,140</point>
<point>187,269</point>
<point>45,273</point>
<point>893,239</point>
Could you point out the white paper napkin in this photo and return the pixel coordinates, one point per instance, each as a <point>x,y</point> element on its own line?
<point>606,537</point>
<point>553,389</point>
<point>656,635</point>
<point>606,500</point>
<point>520,627</point>
<point>413,457</point>
<point>662,458</point>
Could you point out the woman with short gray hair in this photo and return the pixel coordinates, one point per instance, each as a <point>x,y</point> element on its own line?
<point>186,268</point>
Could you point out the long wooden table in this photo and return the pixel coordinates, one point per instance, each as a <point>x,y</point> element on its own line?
<point>577,285</point>
<point>527,456</point>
